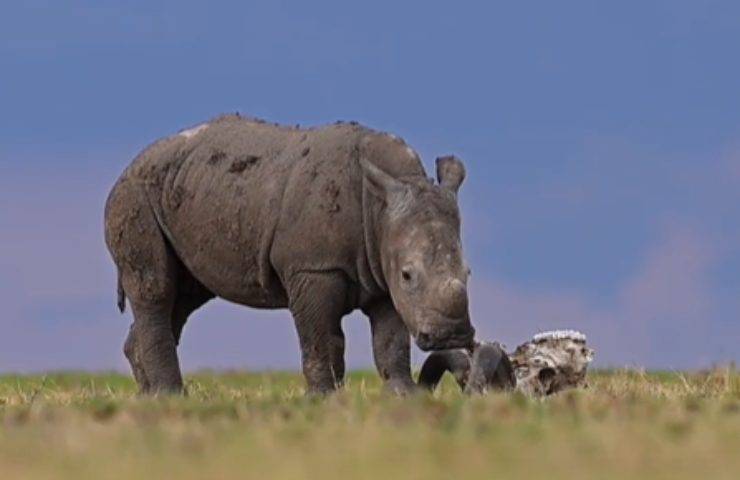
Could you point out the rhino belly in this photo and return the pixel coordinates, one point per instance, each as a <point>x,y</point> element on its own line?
<point>221,226</point>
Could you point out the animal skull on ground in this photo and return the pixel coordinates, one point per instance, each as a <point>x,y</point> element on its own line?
<point>548,363</point>
<point>551,362</point>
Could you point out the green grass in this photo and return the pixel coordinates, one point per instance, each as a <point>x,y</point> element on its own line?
<point>253,425</point>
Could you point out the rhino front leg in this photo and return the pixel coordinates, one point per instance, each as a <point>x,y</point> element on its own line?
<point>318,303</point>
<point>391,347</point>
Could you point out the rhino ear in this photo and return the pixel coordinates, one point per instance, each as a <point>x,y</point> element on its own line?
<point>382,184</point>
<point>450,172</point>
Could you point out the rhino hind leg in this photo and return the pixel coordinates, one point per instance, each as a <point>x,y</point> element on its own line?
<point>155,353</point>
<point>132,354</point>
<point>159,323</point>
<point>148,272</point>
<point>191,295</point>
<point>318,303</point>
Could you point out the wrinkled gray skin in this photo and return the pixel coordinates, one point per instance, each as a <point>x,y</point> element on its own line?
<point>320,221</point>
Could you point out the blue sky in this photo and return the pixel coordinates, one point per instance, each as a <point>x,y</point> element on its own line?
<point>602,144</point>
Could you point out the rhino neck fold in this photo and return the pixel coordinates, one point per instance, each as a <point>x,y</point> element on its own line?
<point>372,232</point>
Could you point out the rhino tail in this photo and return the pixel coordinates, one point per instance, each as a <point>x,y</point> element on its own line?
<point>121,295</point>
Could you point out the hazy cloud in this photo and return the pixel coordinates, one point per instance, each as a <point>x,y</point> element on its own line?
<point>663,315</point>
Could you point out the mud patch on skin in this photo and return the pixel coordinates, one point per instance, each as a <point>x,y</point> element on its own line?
<point>243,162</point>
<point>230,229</point>
<point>216,157</point>
<point>178,195</point>
<point>330,194</point>
<point>313,173</point>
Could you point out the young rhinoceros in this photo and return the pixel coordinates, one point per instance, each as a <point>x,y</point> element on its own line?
<point>321,221</point>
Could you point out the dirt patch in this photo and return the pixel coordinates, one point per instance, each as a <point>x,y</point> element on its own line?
<point>330,194</point>
<point>243,162</point>
<point>216,157</point>
<point>178,194</point>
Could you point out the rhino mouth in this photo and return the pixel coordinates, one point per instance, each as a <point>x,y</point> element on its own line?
<point>446,334</point>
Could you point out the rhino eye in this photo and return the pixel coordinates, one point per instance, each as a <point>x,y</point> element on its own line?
<point>409,277</point>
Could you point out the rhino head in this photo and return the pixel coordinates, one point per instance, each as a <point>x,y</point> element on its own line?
<point>421,253</point>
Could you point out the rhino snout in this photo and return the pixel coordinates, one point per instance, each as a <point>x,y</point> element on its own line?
<point>459,334</point>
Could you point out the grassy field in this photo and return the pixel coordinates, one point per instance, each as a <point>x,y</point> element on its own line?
<point>251,425</point>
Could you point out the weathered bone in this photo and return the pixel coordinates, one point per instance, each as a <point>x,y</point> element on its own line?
<point>551,362</point>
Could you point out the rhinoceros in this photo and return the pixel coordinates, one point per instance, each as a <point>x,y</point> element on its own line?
<point>321,221</point>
